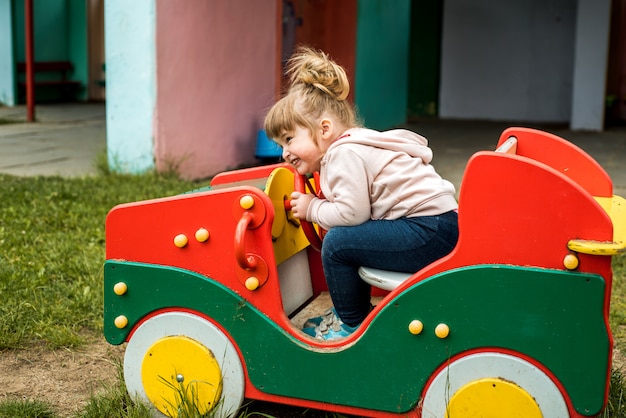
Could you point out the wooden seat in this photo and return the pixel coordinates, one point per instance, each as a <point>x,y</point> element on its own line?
<point>383,279</point>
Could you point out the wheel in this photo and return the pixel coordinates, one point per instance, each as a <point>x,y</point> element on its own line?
<point>492,385</point>
<point>315,238</point>
<point>178,355</point>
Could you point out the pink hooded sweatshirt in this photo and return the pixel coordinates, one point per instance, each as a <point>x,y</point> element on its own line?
<point>367,174</point>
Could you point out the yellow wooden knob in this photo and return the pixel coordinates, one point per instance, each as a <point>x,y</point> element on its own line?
<point>180,240</point>
<point>570,261</point>
<point>202,235</point>
<point>442,330</point>
<point>416,327</point>
<point>121,321</point>
<point>120,288</point>
<point>246,202</point>
<point>252,283</point>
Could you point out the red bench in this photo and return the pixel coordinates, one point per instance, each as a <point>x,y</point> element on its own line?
<point>66,88</point>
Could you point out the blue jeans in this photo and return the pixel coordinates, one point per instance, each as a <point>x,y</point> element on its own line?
<point>405,244</point>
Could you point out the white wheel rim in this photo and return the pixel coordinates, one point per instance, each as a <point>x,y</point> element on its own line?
<point>191,326</point>
<point>493,365</point>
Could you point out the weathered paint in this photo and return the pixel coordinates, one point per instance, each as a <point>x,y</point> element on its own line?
<point>7,63</point>
<point>491,306</point>
<point>501,290</point>
<point>131,84</point>
<point>216,76</point>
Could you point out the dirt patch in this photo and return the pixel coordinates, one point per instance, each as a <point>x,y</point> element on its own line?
<point>619,360</point>
<point>64,378</point>
<point>67,378</point>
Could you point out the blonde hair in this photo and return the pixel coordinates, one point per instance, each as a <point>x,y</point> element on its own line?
<point>318,86</point>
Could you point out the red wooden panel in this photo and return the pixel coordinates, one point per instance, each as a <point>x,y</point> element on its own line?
<point>563,156</point>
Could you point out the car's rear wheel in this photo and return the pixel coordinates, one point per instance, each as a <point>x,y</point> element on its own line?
<point>492,385</point>
<point>180,360</point>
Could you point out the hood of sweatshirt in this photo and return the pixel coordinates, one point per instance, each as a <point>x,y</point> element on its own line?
<point>399,140</point>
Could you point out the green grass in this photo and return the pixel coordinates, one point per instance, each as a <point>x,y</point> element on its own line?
<point>618,302</point>
<point>52,251</point>
<point>14,408</point>
<point>616,406</point>
<point>51,254</point>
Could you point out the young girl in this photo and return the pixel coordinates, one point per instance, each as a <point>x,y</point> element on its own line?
<point>384,205</point>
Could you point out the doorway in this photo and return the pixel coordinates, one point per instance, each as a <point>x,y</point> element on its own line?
<point>616,75</point>
<point>424,58</point>
<point>328,25</point>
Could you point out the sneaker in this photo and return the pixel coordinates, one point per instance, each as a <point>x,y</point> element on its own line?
<point>330,328</point>
<point>329,316</point>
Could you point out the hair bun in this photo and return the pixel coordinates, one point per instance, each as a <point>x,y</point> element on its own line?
<point>309,67</point>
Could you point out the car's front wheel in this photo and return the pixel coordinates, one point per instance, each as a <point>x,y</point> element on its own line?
<point>178,360</point>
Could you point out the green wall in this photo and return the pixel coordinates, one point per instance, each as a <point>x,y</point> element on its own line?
<point>7,72</point>
<point>382,53</point>
<point>60,34</point>
<point>50,34</point>
<point>78,41</point>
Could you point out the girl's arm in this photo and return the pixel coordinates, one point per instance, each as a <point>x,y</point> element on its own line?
<point>347,192</point>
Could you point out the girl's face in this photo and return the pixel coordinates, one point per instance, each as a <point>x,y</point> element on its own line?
<point>301,150</point>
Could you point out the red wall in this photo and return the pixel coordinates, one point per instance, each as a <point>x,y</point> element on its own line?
<point>216,78</point>
<point>330,25</point>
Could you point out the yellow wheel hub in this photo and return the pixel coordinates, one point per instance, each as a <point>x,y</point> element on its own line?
<point>492,398</point>
<point>179,373</point>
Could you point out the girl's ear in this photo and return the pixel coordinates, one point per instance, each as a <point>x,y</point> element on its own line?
<point>326,128</point>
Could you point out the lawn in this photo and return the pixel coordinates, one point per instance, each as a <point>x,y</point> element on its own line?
<point>51,256</point>
<point>52,249</point>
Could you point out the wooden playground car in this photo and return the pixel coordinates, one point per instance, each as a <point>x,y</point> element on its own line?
<point>209,290</point>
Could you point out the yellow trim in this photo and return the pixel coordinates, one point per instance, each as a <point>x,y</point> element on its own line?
<point>180,366</point>
<point>286,232</point>
<point>492,398</point>
<point>615,207</point>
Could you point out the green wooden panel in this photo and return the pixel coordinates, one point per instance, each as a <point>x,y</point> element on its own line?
<point>553,317</point>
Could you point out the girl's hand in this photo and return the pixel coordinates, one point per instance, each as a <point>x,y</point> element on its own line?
<point>300,204</point>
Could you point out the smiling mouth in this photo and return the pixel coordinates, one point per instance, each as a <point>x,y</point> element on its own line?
<point>295,162</point>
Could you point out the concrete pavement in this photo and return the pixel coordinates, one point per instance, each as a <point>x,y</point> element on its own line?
<point>65,140</point>
<point>68,138</point>
<point>453,142</point>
